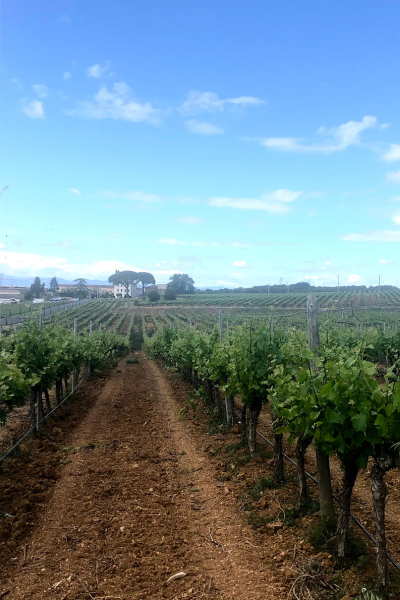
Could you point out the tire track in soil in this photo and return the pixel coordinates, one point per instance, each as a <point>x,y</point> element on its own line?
<point>138,505</point>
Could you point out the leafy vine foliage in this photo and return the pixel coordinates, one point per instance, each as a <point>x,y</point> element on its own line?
<point>33,360</point>
<point>330,398</point>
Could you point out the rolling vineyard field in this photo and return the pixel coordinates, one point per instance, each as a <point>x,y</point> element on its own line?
<point>246,370</point>
<point>289,300</point>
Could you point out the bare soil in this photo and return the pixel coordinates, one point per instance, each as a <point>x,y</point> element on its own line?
<point>127,486</point>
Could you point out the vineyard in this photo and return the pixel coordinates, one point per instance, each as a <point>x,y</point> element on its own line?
<point>304,404</point>
<point>290,300</point>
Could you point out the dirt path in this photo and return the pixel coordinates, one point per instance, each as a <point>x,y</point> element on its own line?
<point>136,502</point>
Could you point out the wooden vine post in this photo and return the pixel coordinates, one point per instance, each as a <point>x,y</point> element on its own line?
<point>324,473</point>
<point>74,372</point>
<point>90,339</point>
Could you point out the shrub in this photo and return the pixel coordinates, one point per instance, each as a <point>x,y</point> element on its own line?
<point>170,294</point>
<point>154,296</point>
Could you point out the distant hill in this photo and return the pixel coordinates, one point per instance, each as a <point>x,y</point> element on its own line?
<point>11,280</point>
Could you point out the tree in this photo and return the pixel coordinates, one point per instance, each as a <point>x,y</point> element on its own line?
<point>145,279</point>
<point>37,288</point>
<point>81,288</point>
<point>53,287</point>
<point>170,294</point>
<point>181,284</point>
<point>125,278</point>
<point>154,296</point>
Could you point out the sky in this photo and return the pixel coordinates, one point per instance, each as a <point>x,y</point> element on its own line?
<point>241,142</point>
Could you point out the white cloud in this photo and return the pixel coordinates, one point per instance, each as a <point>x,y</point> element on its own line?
<point>275,203</point>
<point>190,220</point>
<point>392,154</point>
<point>202,127</point>
<point>67,75</point>
<point>117,104</point>
<point>96,71</point>
<point>41,90</point>
<point>336,138</point>
<point>353,278</point>
<point>35,264</point>
<point>75,191</point>
<point>385,235</point>
<point>65,19</point>
<point>393,176</point>
<point>239,263</point>
<point>34,110</point>
<point>396,217</point>
<point>199,102</point>
<point>383,261</point>
<point>135,195</point>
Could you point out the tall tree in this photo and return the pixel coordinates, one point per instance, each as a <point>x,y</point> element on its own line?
<point>37,288</point>
<point>145,279</point>
<point>181,284</point>
<point>81,287</point>
<point>125,278</point>
<point>53,287</point>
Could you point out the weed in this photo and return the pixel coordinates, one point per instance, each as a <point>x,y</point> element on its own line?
<point>258,521</point>
<point>231,448</point>
<point>191,401</point>
<point>182,453</point>
<point>182,413</point>
<point>222,478</point>
<point>295,513</point>
<point>323,538</point>
<point>264,483</point>
<point>243,460</point>
<point>313,580</point>
<point>132,361</point>
<point>368,595</point>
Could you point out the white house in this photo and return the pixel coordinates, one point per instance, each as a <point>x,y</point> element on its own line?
<point>133,291</point>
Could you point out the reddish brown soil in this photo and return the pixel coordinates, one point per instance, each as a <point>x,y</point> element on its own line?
<point>123,489</point>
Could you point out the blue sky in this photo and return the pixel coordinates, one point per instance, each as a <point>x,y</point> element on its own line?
<point>239,142</point>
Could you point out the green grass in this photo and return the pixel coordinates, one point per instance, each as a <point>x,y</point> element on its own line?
<point>323,538</point>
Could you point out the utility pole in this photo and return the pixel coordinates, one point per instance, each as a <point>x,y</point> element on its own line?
<point>338,277</point>
<point>379,290</point>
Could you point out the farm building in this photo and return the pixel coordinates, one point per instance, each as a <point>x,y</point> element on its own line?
<point>120,291</point>
<point>135,290</point>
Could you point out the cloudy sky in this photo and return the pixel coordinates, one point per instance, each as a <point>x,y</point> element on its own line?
<point>238,141</point>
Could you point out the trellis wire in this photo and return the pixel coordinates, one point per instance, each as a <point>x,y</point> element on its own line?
<point>44,418</point>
